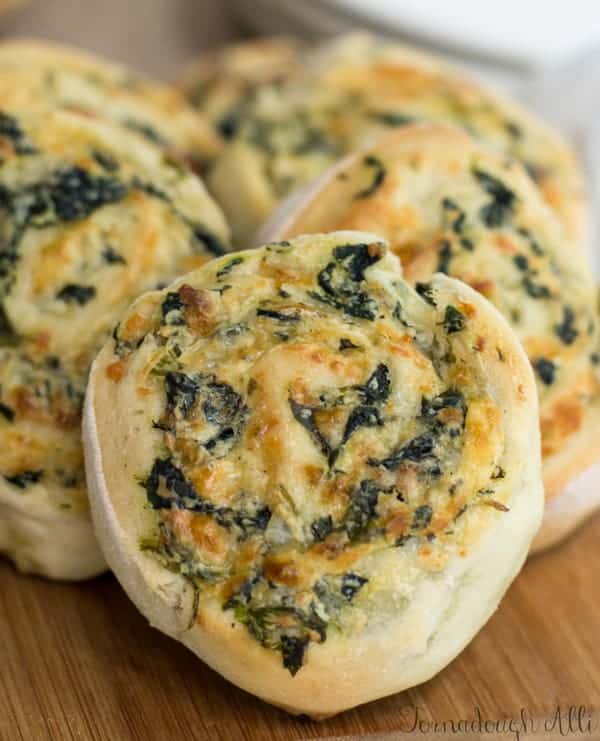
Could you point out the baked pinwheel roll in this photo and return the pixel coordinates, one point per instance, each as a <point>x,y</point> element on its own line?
<point>36,75</point>
<point>223,83</point>
<point>90,216</point>
<point>447,205</point>
<point>361,86</point>
<point>318,479</point>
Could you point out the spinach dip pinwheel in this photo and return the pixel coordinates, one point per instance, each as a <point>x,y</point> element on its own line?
<point>90,216</point>
<point>448,205</point>
<point>317,478</point>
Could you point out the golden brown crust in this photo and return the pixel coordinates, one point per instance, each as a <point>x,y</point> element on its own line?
<point>324,461</point>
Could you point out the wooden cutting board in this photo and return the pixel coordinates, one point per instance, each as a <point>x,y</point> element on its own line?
<point>78,662</point>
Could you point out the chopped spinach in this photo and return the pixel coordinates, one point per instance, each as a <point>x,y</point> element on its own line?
<point>421,449</point>
<point>361,416</point>
<point>499,473</point>
<point>278,315</point>
<point>417,450</point>
<point>305,415</point>
<point>533,244</point>
<point>378,386</point>
<point>392,118</point>
<point>229,123</point>
<point>105,160</point>
<point>112,257</point>
<point>431,408</point>
<point>147,131</point>
<point>233,330</point>
<point>362,508</point>
<point>24,479</point>
<point>224,408</point>
<point>301,137</point>
<point>75,193</point>
<point>225,436</point>
<point>346,344</point>
<point>340,280</point>
<point>513,129</point>
<point>172,309</point>
<point>7,412</point>
<point>366,414</point>
<point>546,370</point>
<point>351,261</point>
<point>167,487</point>
<point>566,330</point>
<point>450,399</point>
<point>351,585</point>
<point>73,293</point>
<point>166,476</point>
<point>535,290</point>
<point>377,166</point>
<point>248,522</point>
<point>521,262</point>
<point>208,239</point>
<point>453,209</point>
<point>229,265</point>
<point>182,391</point>
<point>321,527</point>
<point>314,140</point>
<point>500,207</point>
<point>292,651</point>
<point>282,628</point>
<point>425,290</point>
<point>454,320</point>
<point>223,404</point>
<point>181,558</point>
<point>243,595</point>
<point>11,129</point>
<point>422,517</point>
<point>359,304</point>
<point>68,194</point>
<point>445,257</point>
<point>375,391</point>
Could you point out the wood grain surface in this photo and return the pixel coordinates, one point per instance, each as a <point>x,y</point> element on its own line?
<point>78,662</point>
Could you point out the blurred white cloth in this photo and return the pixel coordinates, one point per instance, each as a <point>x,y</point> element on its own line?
<point>568,96</point>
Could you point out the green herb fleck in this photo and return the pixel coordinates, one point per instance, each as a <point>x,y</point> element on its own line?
<point>73,293</point>
<point>566,330</point>
<point>24,479</point>
<point>454,320</point>
<point>378,177</point>
<point>546,370</point>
